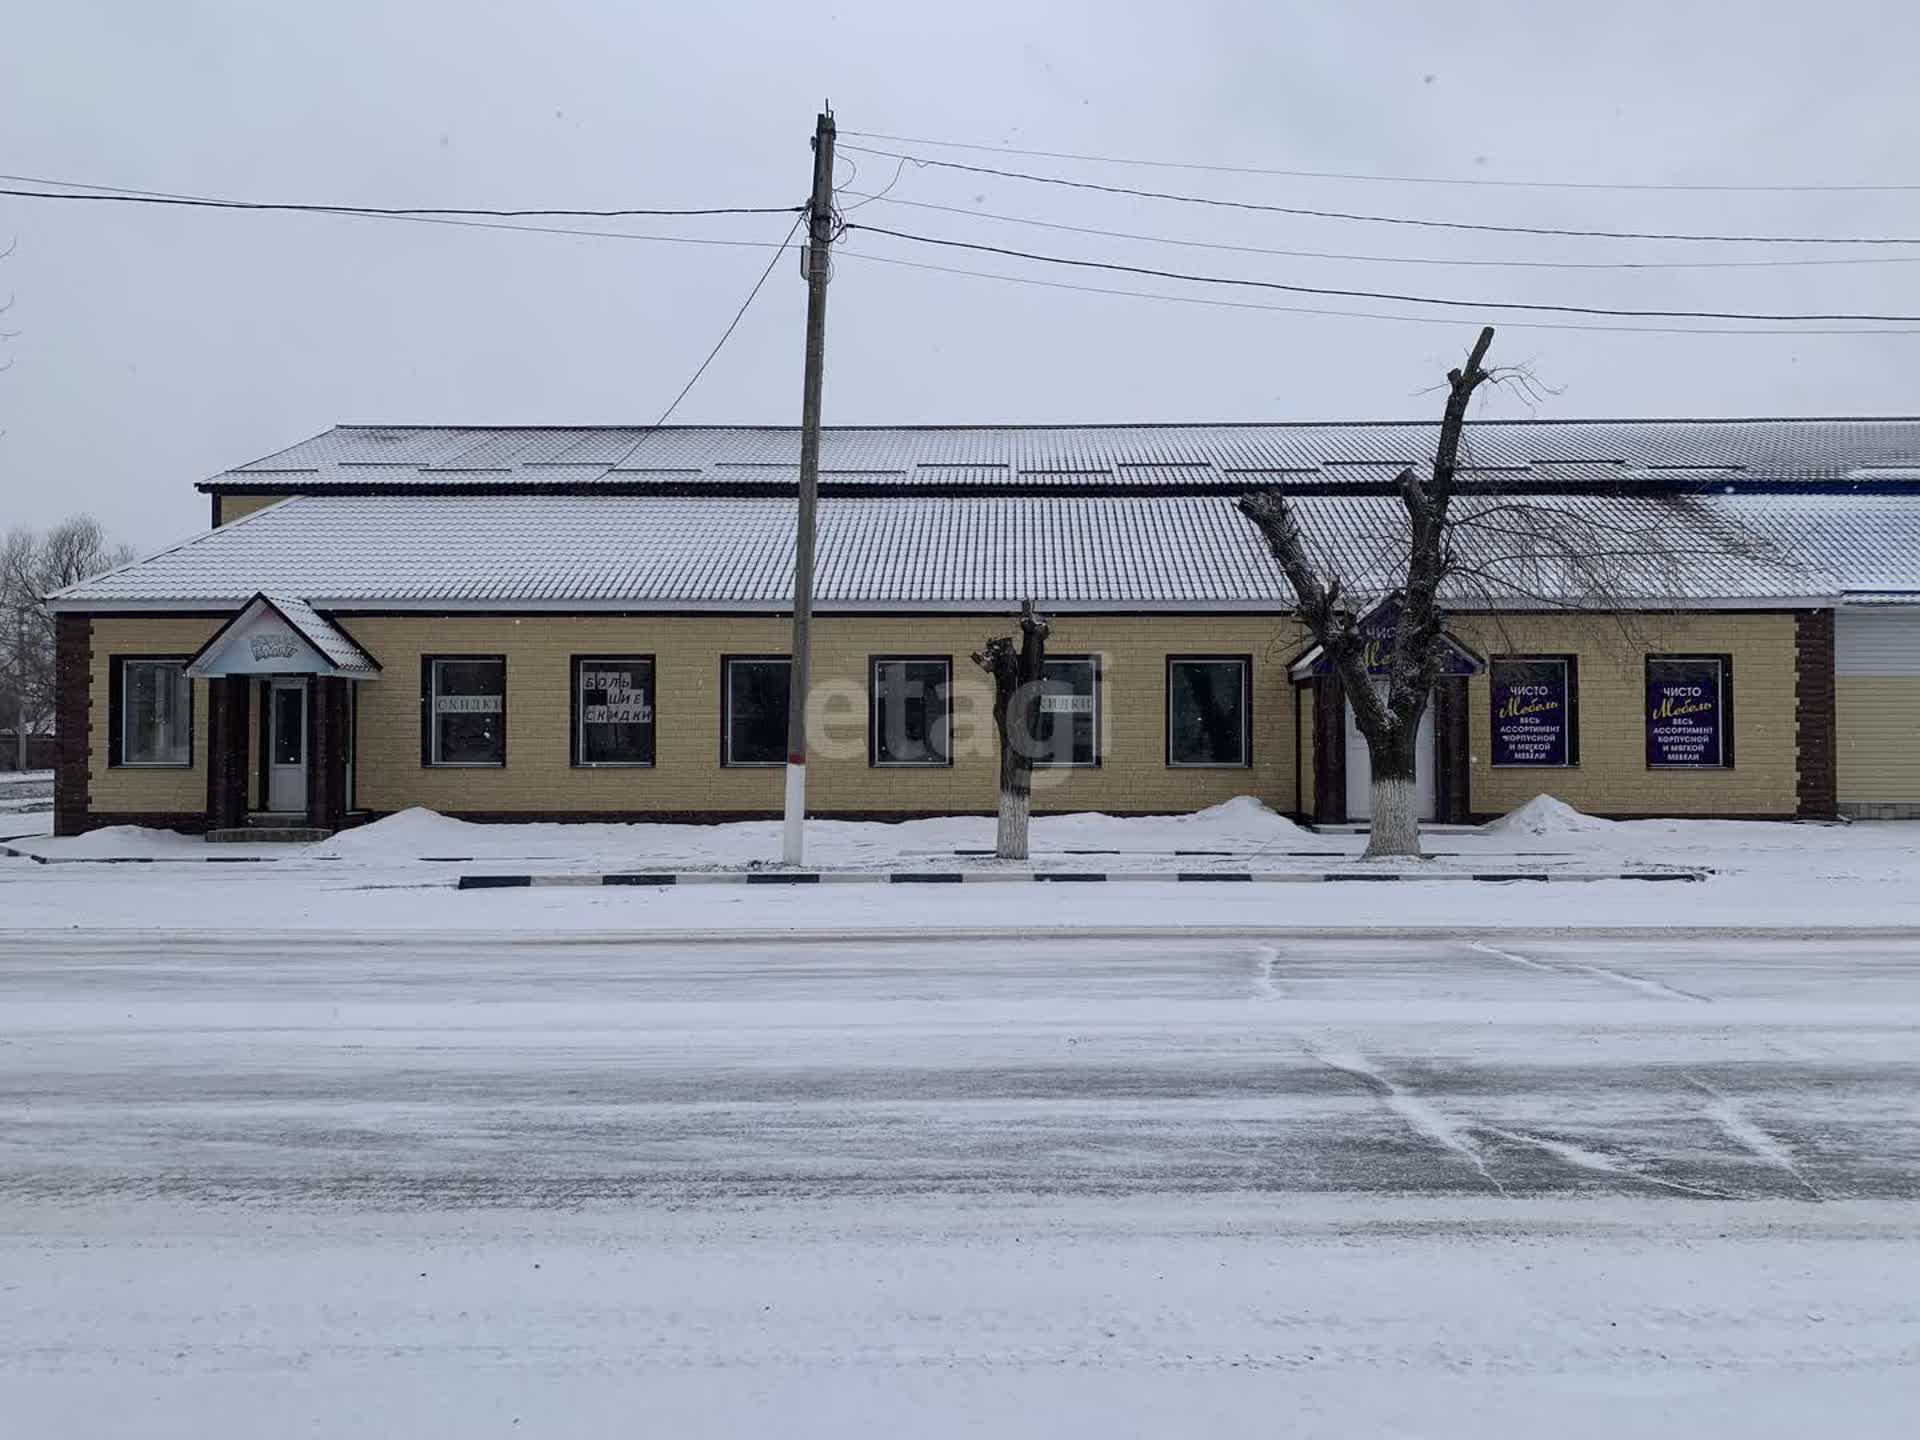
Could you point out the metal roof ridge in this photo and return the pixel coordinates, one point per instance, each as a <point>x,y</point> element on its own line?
<point>928,426</point>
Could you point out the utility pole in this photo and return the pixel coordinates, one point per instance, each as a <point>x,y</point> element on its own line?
<point>819,241</point>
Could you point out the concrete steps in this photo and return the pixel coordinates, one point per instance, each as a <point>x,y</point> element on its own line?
<point>269,830</point>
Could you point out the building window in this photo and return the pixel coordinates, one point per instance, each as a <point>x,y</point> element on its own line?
<point>1068,731</point>
<point>613,710</point>
<point>1689,712</point>
<point>753,722</point>
<point>155,714</point>
<point>1209,710</point>
<point>466,710</point>
<point>1536,711</point>
<point>910,719</point>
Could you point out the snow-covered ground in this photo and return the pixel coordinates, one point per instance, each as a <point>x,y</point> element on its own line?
<point>24,793</point>
<point>398,874</point>
<point>315,1183</point>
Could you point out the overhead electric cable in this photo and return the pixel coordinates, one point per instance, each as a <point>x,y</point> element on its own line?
<point>1218,303</point>
<point>1370,219</point>
<point>1478,181</point>
<point>1403,299</point>
<point>1029,221</point>
<point>114,195</point>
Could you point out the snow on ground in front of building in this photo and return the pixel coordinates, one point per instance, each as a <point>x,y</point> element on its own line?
<point>1241,828</point>
<point>397,874</point>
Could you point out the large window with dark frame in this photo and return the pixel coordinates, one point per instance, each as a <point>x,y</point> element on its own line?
<point>613,710</point>
<point>1067,733</point>
<point>1535,719</point>
<point>466,703</point>
<point>910,716</point>
<point>1209,711</point>
<point>1689,712</point>
<point>154,713</point>
<point>753,719</point>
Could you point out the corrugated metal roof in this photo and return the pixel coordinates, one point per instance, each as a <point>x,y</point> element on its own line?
<point>1159,552</point>
<point>326,637</point>
<point>1153,457</point>
<point>1867,546</point>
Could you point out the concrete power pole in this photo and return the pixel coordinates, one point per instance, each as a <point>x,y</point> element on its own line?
<point>819,242</point>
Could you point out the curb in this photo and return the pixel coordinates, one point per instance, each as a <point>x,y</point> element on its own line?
<point>992,877</point>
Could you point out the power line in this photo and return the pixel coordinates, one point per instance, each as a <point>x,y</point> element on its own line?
<point>1375,294</point>
<point>1470,180</point>
<point>1422,223</point>
<point>114,196</point>
<point>1217,303</point>
<point>868,199</point>
<point>438,219</point>
<point>718,345</point>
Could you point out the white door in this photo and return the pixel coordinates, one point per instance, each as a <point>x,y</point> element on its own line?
<point>1360,767</point>
<point>287,746</point>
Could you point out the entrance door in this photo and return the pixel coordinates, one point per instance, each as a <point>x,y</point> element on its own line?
<point>1360,768</point>
<point>287,747</point>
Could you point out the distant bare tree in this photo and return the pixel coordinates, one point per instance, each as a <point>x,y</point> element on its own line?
<point>1487,549</point>
<point>1017,668</point>
<point>33,566</point>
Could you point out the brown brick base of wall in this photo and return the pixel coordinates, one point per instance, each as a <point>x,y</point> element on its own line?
<point>73,703</point>
<point>1816,723</point>
<point>190,822</point>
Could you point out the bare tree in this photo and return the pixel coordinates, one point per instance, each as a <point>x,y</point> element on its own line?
<point>1017,668</point>
<point>32,567</point>
<point>1495,548</point>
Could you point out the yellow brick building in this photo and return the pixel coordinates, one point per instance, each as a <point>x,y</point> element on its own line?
<point>592,624</point>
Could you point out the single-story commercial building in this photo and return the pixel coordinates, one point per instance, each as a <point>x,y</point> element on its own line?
<point>590,623</point>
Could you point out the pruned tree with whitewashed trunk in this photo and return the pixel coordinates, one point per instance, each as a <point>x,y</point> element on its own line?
<point>1498,547</point>
<point>1016,664</point>
<point>1389,721</point>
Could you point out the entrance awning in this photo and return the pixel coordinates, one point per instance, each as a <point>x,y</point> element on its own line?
<point>1377,629</point>
<point>278,635</point>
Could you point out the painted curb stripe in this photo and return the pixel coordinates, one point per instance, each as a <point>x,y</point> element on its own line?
<point>1038,877</point>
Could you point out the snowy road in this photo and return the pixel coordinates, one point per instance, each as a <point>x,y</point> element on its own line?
<point>1059,1188</point>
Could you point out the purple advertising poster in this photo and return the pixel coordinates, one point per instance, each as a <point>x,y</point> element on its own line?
<point>1531,712</point>
<point>1686,713</point>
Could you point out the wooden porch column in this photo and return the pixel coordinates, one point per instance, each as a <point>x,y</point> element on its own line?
<point>227,716</point>
<point>1452,763</point>
<point>327,753</point>
<point>1329,750</point>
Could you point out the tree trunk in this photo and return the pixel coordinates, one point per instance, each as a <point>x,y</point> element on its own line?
<point>1396,814</point>
<point>1016,671</point>
<point>1010,841</point>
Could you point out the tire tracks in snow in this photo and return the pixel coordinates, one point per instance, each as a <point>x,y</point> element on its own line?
<point>1739,1127</point>
<point>1458,1137</point>
<point>1599,972</point>
<point>1420,1116</point>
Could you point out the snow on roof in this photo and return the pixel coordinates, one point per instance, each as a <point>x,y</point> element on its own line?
<point>1866,546</point>
<point>345,552</point>
<point>1154,457</point>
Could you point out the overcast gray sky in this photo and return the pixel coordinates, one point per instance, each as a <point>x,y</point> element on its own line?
<point>155,347</point>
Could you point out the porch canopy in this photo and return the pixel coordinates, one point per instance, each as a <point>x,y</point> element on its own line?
<point>277,635</point>
<point>1377,628</point>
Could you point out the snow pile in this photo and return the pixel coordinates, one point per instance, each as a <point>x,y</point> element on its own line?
<point>407,835</point>
<point>126,842</point>
<point>1242,827</point>
<point>1543,815</point>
